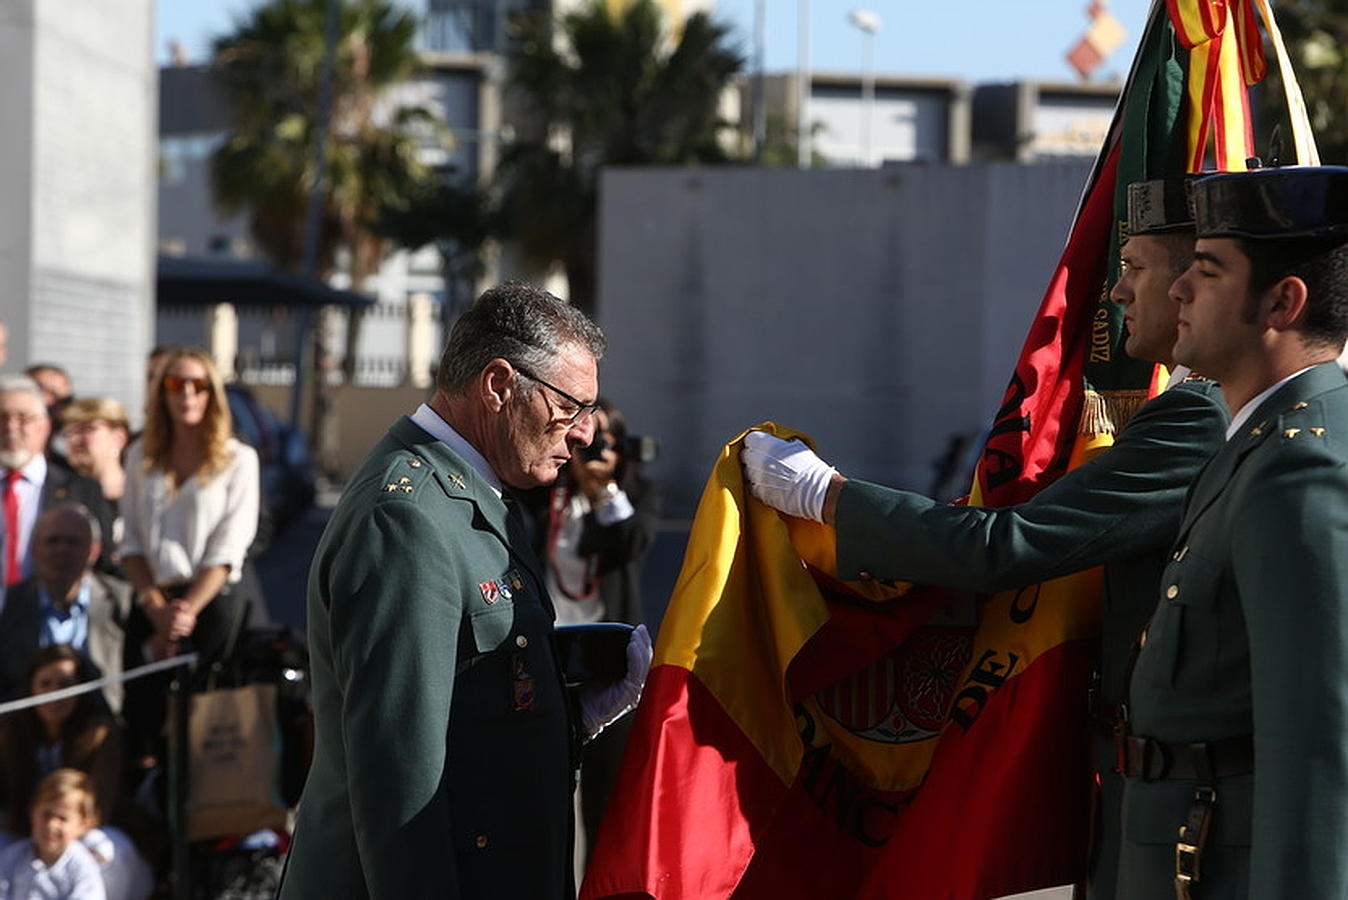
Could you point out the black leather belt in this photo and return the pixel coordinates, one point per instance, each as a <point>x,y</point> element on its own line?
<point>1153,760</point>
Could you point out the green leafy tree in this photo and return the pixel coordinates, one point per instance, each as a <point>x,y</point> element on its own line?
<point>456,217</point>
<point>1316,32</point>
<point>271,70</point>
<point>603,87</point>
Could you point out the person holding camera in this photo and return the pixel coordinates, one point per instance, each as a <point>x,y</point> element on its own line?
<point>597,525</point>
<point>593,528</point>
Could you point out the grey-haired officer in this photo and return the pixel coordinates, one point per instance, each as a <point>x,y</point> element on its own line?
<point>1239,732</point>
<point>443,757</point>
<point>1120,510</point>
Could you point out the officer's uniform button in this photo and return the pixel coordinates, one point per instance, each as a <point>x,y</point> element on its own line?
<point>864,576</point>
<point>481,842</point>
<point>1172,592</point>
<point>416,464</point>
<point>521,641</point>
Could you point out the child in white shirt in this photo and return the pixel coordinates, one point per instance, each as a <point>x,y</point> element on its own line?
<point>52,864</point>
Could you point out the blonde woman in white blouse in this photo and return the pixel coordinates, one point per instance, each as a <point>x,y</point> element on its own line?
<point>190,508</point>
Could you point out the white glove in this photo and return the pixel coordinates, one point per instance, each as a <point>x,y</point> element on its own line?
<point>786,475</point>
<point>602,705</point>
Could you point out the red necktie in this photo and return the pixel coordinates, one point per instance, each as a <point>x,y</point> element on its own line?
<point>12,566</point>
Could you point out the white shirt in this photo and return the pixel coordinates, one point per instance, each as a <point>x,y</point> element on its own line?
<point>126,874</point>
<point>75,876</point>
<point>32,475</point>
<point>1178,375</point>
<point>181,531</point>
<point>1248,409</point>
<point>430,422</point>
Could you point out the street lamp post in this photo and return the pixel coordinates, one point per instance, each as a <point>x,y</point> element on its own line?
<point>869,23</point>
<point>803,149</point>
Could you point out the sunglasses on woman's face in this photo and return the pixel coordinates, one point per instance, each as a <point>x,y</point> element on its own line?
<point>175,383</point>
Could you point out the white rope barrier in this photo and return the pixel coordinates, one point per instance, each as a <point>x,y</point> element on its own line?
<point>88,687</point>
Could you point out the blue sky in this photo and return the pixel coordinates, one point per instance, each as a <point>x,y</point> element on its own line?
<point>979,40</point>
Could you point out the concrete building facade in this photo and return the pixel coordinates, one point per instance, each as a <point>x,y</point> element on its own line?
<point>879,310</point>
<point>77,169</point>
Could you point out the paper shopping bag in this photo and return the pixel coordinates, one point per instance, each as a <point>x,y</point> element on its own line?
<point>234,748</point>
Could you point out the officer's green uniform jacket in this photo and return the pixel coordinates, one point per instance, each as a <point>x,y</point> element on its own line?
<point>442,758</point>
<point>1121,509</point>
<point>1251,636</point>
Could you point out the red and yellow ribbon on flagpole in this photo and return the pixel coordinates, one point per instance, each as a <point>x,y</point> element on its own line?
<point>1226,55</point>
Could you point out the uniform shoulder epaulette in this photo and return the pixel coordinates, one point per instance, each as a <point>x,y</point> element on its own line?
<point>1291,419</point>
<point>407,473</point>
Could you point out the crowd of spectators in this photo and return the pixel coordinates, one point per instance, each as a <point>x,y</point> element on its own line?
<point>116,549</point>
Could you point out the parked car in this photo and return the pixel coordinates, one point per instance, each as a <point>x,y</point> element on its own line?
<point>287,470</point>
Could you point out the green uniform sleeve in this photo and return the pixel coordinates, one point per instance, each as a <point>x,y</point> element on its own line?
<point>1290,554</point>
<point>1124,502</point>
<point>395,619</point>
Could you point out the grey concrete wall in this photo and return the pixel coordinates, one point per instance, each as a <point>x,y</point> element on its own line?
<point>364,414</point>
<point>880,310</point>
<point>78,172</point>
<point>16,165</point>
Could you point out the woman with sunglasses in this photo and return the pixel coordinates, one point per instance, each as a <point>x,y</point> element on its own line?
<point>189,513</point>
<point>190,508</point>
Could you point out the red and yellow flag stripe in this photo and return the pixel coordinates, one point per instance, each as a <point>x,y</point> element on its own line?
<point>1226,56</point>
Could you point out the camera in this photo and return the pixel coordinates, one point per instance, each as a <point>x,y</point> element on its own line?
<point>596,448</point>
<point>637,448</point>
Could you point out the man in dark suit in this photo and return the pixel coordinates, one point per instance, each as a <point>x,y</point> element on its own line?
<point>1239,698</point>
<point>65,601</point>
<point>445,740</point>
<point>30,481</point>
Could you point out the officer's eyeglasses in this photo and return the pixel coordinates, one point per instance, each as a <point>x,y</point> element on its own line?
<point>583,409</point>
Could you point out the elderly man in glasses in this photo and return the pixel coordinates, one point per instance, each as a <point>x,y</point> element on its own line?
<point>31,481</point>
<point>445,737</point>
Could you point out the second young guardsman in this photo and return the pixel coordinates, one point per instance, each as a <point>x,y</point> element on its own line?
<point>1239,732</point>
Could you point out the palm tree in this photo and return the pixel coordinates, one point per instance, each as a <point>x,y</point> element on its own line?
<point>611,88</point>
<point>271,69</point>
<point>454,215</point>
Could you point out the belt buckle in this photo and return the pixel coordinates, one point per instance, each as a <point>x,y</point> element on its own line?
<point>1186,870</point>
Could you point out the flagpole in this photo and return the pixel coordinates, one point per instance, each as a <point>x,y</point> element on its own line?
<point>803,148</point>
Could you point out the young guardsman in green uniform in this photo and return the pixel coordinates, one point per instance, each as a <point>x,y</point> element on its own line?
<point>443,760</point>
<point>1240,695</point>
<point>1121,510</point>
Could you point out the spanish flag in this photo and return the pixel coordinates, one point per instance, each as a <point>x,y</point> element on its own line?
<point>800,736</point>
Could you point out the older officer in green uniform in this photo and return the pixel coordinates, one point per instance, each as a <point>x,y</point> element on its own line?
<point>1239,701</point>
<point>443,764</point>
<point>1121,509</point>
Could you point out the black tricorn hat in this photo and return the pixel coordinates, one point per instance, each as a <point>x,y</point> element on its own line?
<point>1159,206</point>
<point>1297,201</point>
<point>593,653</point>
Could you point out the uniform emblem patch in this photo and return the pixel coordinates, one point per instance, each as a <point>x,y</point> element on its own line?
<point>513,579</point>
<point>491,592</point>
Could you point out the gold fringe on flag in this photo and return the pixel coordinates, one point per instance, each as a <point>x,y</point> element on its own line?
<point>1106,412</point>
